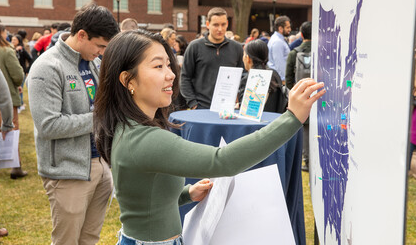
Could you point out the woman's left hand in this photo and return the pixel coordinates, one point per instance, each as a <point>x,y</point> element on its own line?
<point>200,189</point>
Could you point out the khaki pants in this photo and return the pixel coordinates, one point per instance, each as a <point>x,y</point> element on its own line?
<point>78,207</point>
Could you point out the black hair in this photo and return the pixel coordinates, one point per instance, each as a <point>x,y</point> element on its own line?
<point>19,38</point>
<point>114,105</point>
<point>64,25</point>
<point>280,21</point>
<point>183,44</point>
<point>306,29</point>
<point>55,25</point>
<point>96,20</point>
<point>257,51</point>
<point>22,33</point>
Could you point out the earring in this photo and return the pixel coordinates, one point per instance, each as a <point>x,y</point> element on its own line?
<point>132,92</point>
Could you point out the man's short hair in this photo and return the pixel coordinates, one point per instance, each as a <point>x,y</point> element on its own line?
<point>63,26</point>
<point>128,24</point>
<point>96,20</point>
<point>280,21</point>
<point>217,12</point>
<point>306,29</point>
<point>55,25</point>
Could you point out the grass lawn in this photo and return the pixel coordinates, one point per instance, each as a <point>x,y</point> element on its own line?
<point>24,206</point>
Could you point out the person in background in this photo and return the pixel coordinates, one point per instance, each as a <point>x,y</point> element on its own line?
<point>298,41</point>
<point>203,58</point>
<point>128,24</point>
<point>255,57</point>
<point>43,43</point>
<point>23,34</point>
<point>32,42</point>
<point>62,91</point>
<point>182,43</point>
<point>46,31</point>
<point>6,111</point>
<point>13,72</point>
<point>278,48</point>
<point>25,61</point>
<point>62,27</point>
<point>265,37</point>
<point>253,35</point>
<point>236,38</point>
<point>138,73</point>
<point>306,34</point>
<point>229,35</point>
<point>169,35</point>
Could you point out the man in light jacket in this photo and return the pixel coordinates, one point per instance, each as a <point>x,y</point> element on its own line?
<point>62,86</point>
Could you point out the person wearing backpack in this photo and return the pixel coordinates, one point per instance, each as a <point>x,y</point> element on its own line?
<point>299,59</point>
<point>298,66</point>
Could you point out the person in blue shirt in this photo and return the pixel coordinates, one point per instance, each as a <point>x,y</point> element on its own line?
<point>278,48</point>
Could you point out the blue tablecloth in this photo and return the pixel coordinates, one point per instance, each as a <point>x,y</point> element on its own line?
<point>204,126</point>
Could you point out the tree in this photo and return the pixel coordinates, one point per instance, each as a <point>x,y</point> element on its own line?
<point>242,10</point>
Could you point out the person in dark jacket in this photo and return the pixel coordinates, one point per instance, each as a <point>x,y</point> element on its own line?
<point>255,57</point>
<point>203,58</point>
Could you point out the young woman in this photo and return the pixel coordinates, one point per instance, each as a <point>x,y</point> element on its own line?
<point>24,58</point>
<point>256,56</point>
<point>13,72</point>
<point>149,163</point>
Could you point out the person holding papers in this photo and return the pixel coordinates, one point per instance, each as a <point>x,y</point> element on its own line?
<point>148,161</point>
<point>6,109</point>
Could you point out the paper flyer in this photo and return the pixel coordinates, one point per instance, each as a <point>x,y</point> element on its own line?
<point>255,94</point>
<point>226,88</point>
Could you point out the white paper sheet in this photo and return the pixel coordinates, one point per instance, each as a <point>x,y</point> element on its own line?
<point>226,88</point>
<point>201,221</point>
<point>9,154</point>
<point>247,209</point>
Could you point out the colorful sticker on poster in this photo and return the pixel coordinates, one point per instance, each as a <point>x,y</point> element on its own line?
<point>255,94</point>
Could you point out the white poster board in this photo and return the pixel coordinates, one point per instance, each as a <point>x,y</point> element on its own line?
<point>226,88</point>
<point>255,94</point>
<point>359,128</point>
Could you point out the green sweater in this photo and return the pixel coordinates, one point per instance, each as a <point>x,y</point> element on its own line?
<point>12,71</point>
<point>149,165</point>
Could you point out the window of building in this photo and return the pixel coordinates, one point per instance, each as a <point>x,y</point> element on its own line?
<point>124,5</point>
<point>80,3</point>
<point>4,3</point>
<point>43,4</point>
<point>154,6</point>
<point>179,20</point>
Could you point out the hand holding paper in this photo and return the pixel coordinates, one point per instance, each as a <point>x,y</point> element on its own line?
<point>200,189</point>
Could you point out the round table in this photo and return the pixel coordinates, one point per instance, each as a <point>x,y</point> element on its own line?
<point>205,127</point>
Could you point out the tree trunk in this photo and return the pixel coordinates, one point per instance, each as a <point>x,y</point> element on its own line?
<point>242,10</point>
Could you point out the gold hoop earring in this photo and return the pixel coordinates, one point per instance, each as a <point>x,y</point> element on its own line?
<point>132,92</point>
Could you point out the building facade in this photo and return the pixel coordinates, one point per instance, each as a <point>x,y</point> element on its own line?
<point>188,16</point>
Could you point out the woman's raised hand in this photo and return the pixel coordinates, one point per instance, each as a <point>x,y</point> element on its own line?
<point>300,99</point>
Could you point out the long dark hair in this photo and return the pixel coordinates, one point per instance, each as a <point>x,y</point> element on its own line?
<point>259,53</point>
<point>114,105</point>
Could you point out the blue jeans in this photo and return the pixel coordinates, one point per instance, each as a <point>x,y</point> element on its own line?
<point>125,240</point>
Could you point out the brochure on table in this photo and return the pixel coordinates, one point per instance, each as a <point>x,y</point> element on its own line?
<point>249,208</point>
<point>255,94</point>
<point>226,88</point>
<point>9,155</point>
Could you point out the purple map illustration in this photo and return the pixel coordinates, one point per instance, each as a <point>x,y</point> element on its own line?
<point>333,112</point>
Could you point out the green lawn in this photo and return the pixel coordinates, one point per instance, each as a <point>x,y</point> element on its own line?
<point>24,207</point>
